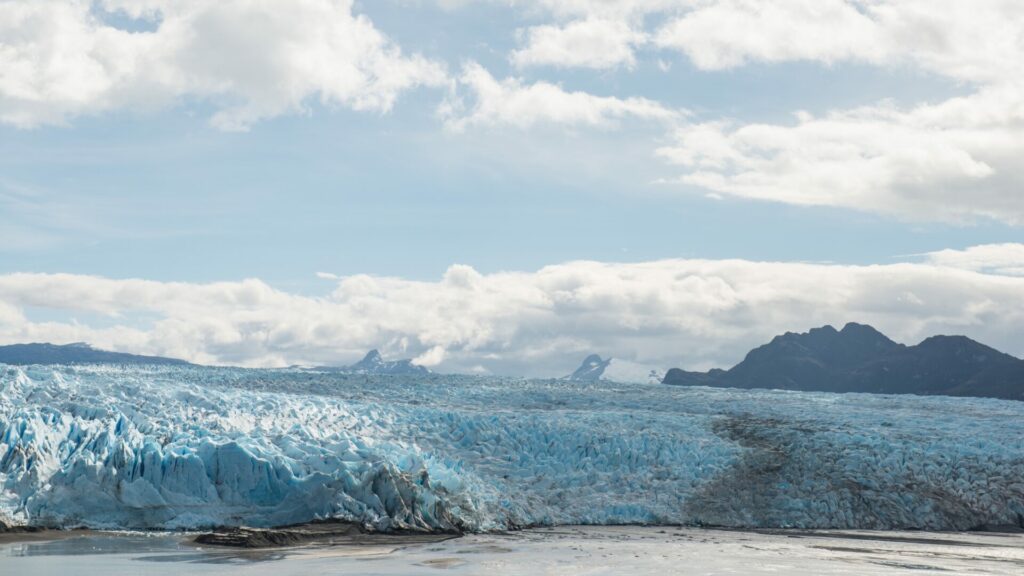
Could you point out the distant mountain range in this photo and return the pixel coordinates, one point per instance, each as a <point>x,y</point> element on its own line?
<point>374,363</point>
<point>78,353</point>
<point>81,353</point>
<point>859,358</point>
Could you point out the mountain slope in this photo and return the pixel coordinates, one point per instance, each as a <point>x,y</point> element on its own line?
<point>374,363</point>
<point>859,358</point>
<point>78,353</point>
<point>591,370</point>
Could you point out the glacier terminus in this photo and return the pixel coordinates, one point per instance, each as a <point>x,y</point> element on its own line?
<point>185,447</point>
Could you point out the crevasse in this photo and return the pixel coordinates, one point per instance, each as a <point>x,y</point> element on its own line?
<point>169,447</point>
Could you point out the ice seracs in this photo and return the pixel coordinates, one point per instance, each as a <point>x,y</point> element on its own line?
<point>189,447</point>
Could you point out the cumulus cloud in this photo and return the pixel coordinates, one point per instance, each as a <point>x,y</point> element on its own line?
<point>714,34</point>
<point>690,313</point>
<point>951,161</point>
<point>590,43</point>
<point>598,34</point>
<point>954,161</point>
<point>731,33</point>
<point>251,59</point>
<point>431,357</point>
<point>511,102</point>
<point>975,41</point>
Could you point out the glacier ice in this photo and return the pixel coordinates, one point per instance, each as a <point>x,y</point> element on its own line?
<point>189,447</point>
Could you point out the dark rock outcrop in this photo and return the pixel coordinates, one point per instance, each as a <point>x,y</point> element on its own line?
<point>322,531</point>
<point>591,370</point>
<point>859,358</point>
<point>245,537</point>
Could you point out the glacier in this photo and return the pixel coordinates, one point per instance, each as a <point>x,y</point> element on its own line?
<point>168,447</point>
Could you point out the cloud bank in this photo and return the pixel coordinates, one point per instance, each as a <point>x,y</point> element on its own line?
<point>691,313</point>
<point>1005,259</point>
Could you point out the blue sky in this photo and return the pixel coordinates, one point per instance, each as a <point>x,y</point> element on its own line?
<point>170,198</point>
<point>691,147</point>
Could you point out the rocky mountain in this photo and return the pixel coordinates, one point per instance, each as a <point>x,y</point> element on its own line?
<point>591,370</point>
<point>374,363</point>
<point>78,353</point>
<point>859,358</point>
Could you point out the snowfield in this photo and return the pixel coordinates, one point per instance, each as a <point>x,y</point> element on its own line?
<point>169,447</point>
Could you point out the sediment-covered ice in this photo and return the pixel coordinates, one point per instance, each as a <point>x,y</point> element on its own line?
<point>169,447</point>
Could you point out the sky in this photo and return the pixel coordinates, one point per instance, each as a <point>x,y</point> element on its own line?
<point>505,186</point>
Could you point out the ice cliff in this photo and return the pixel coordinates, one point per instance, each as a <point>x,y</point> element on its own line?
<point>188,447</point>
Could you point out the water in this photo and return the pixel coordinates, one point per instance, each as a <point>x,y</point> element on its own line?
<point>563,550</point>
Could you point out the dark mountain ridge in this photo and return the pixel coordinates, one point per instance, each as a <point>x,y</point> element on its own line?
<point>859,358</point>
<point>77,353</point>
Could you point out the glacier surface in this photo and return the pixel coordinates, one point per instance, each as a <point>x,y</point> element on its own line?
<point>189,447</point>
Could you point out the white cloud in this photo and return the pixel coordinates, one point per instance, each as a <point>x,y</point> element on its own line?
<point>955,161</point>
<point>1006,259</point>
<point>598,34</point>
<point>977,41</point>
<point>974,41</point>
<point>731,33</point>
<point>952,161</point>
<point>431,357</point>
<point>511,102</point>
<point>252,59</point>
<point>692,313</point>
<point>590,43</point>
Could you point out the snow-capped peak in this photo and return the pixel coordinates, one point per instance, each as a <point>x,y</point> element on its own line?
<point>372,360</point>
<point>591,369</point>
<point>374,363</point>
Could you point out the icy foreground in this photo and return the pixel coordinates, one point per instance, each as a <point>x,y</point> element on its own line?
<point>589,550</point>
<point>170,447</point>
